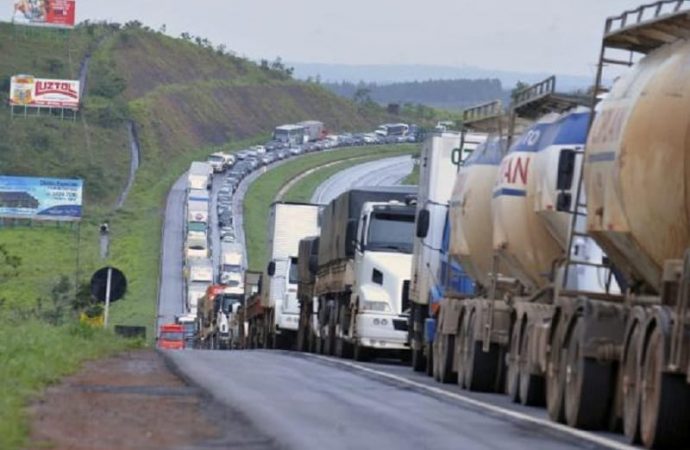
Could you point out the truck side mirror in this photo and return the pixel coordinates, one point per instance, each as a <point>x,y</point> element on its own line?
<point>566,169</point>
<point>563,202</point>
<point>423,223</point>
<point>271,269</point>
<point>313,264</point>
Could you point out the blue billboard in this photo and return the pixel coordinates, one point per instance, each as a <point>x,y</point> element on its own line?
<point>40,198</point>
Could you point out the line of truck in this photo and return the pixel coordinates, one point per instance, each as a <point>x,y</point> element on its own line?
<point>544,255</point>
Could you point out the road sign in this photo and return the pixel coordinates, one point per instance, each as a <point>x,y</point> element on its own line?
<point>99,284</point>
<point>108,285</point>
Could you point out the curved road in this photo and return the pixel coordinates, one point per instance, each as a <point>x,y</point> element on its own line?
<point>305,401</point>
<point>385,172</point>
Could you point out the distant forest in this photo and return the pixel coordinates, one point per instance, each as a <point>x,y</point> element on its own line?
<point>443,94</point>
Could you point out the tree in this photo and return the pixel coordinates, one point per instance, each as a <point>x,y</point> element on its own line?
<point>362,96</point>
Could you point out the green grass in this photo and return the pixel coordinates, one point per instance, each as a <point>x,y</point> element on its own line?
<point>413,177</point>
<point>262,192</point>
<point>33,355</point>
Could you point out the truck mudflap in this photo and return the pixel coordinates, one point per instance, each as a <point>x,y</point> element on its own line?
<point>382,331</point>
<point>429,330</point>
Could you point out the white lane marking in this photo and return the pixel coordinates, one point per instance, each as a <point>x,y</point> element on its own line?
<point>598,440</point>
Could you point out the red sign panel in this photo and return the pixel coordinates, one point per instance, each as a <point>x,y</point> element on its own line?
<point>49,13</point>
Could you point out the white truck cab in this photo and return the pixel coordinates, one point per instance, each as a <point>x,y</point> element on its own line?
<point>382,265</point>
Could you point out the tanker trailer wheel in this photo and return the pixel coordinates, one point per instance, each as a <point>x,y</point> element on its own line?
<point>664,401</point>
<point>480,367</point>
<point>532,390</point>
<point>444,356</point>
<point>555,376</point>
<point>630,387</point>
<point>588,385</point>
<point>513,375</point>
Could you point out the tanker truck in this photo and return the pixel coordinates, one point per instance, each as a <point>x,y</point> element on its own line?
<point>626,358</point>
<point>442,154</point>
<point>274,314</point>
<point>361,282</point>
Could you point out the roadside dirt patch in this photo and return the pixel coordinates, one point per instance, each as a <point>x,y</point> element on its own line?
<point>132,401</point>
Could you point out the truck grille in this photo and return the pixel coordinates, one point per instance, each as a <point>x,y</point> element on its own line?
<point>405,295</point>
<point>400,324</point>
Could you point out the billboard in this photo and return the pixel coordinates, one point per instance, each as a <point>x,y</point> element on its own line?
<point>45,13</point>
<point>40,198</point>
<point>25,90</point>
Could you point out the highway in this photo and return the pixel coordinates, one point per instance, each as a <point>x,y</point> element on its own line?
<point>385,172</point>
<point>306,401</point>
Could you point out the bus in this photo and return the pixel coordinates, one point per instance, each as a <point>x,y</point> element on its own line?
<point>290,134</point>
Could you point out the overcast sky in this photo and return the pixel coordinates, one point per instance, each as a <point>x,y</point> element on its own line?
<point>522,35</point>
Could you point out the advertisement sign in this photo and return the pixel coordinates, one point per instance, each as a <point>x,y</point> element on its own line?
<point>40,198</point>
<point>25,90</point>
<point>46,13</point>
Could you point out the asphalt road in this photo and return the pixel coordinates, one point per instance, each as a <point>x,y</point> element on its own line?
<point>385,172</point>
<point>307,403</point>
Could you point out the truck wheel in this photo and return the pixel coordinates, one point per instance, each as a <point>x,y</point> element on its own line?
<point>555,376</point>
<point>418,359</point>
<point>531,385</point>
<point>664,412</point>
<point>480,367</point>
<point>361,353</point>
<point>513,376</point>
<point>342,347</point>
<point>445,359</point>
<point>630,387</point>
<point>588,385</point>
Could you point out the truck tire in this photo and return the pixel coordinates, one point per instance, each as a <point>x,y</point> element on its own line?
<point>513,375</point>
<point>532,389</point>
<point>446,348</point>
<point>481,368</point>
<point>665,397</point>
<point>343,349</point>
<point>555,375</point>
<point>588,387</point>
<point>630,386</point>
<point>361,353</point>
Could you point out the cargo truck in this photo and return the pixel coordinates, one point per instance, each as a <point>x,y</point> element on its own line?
<point>307,268</point>
<point>197,210</point>
<point>274,321</point>
<point>218,318</point>
<point>199,175</point>
<point>231,264</point>
<point>364,261</point>
<point>199,275</point>
<point>289,134</point>
<point>313,130</point>
<point>442,154</point>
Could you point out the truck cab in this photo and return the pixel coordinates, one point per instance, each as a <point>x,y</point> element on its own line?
<point>382,265</point>
<point>171,337</point>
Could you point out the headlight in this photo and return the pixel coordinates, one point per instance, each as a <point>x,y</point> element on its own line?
<point>375,306</point>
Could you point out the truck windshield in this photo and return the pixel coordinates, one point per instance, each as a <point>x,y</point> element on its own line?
<point>171,336</point>
<point>231,268</point>
<point>294,271</point>
<point>390,231</point>
<point>214,158</point>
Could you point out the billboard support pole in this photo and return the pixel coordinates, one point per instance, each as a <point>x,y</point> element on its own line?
<point>76,268</point>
